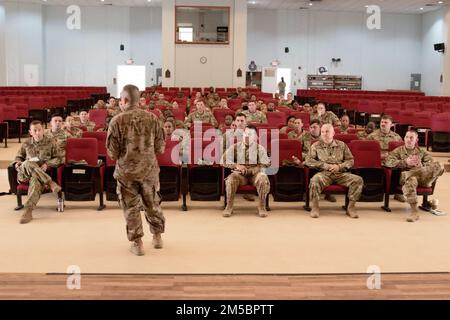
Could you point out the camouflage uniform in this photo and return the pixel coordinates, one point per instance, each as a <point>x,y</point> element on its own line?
<point>29,171</point>
<point>90,125</point>
<point>74,132</point>
<point>362,135</point>
<point>343,130</point>
<point>327,117</point>
<point>134,138</point>
<point>411,178</point>
<point>159,103</point>
<point>384,140</point>
<point>60,137</point>
<point>205,117</point>
<point>255,162</point>
<point>257,116</point>
<point>295,135</point>
<point>320,156</point>
<point>306,140</point>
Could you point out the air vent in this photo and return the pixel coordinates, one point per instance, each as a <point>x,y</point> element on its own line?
<point>430,5</point>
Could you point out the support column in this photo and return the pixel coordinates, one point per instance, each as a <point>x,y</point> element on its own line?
<point>240,42</point>
<point>446,69</point>
<point>168,42</point>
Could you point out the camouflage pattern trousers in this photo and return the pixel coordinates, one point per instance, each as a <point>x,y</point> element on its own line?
<point>132,196</point>
<point>235,180</point>
<point>324,179</point>
<point>30,172</point>
<point>422,177</point>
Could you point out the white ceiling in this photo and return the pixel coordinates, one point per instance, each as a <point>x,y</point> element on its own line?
<point>398,6</point>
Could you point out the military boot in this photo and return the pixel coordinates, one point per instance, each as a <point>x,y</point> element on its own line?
<point>351,211</point>
<point>314,208</point>
<point>26,216</point>
<point>400,198</point>
<point>157,241</point>
<point>229,208</point>
<point>413,213</point>
<point>262,210</point>
<point>330,198</point>
<point>137,247</point>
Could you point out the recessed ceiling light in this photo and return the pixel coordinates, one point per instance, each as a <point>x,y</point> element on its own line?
<point>421,8</point>
<point>440,2</point>
<point>310,4</point>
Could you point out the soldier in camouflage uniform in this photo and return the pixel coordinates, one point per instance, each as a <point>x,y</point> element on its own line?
<point>298,132</point>
<point>161,102</point>
<point>418,170</point>
<point>325,116</point>
<point>71,129</point>
<point>384,135</point>
<point>334,159</point>
<point>57,133</point>
<point>307,138</point>
<point>254,115</point>
<point>200,115</point>
<point>32,161</point>
<point>345,124</point>
<point>247,159</point>
<point>134,139</point>
<point>370,128</point>
<point>84,121</point>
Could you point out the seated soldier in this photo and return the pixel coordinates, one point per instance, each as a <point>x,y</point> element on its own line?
<point>334,159</point>
<point>254,115</point>
<point>228,120</point>
<point>370,127</point>
<point>84,121</point>
<point>143,103</point>
<point>345,124</point>
<point>384,135</point>
<point>201,114</point>
<point>223,104</point>
<point>57,133</point>
<point>271,107</point>
<point>33,159</point>
<point>290,124</point>
<point>263,109</point>
<point>418,170</point>
<point>113,107</point>
<point>161,102</point>
<point>100,105</point>
<point>288,101</point>
<point>174,106</point>
<point>298,132</point>
<point>307,138</point>
<point>168,128</point>
<point>307,108</point>
<point>247,159</point>
<point>325,116</point>
<point>70,127</point>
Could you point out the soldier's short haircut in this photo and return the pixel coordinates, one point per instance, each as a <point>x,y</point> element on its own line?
<point>230,115</point>
<point>345,116</point>
<point>314,121</point>
<point>412,130</point>
<point>387,117</point>
<point>289,118</point>
<point>240,114</point>
<point>56,115</point>
<point>35,123</point>
<point>84,110</point>
<point>322,103</point>
<point>131,93</point>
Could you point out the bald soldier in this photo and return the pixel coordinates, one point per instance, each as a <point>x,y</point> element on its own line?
<point>32,161</point>
<point>247,159</point>
<point>418,170</point>
<point>254,115</point>
<point>333,158</point>
<point>134,139</point>
<point>325,116</point>
<point>201,114</point>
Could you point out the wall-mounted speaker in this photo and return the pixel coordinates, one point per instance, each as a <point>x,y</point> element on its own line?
<point>122,47</point>
<point>439,47</point>
<point>286,50</point>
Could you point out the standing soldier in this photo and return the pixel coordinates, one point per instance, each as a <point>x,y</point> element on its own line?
<point>281,87</point>
<point>419,170</point>
<point>134,139</point>
<point>200,115</point>
<point>325,116</point>
<point>247,159</point>
<point>254,115</point>
<point>334,159</point>
<point>57,133</point>
<point>32,161</point>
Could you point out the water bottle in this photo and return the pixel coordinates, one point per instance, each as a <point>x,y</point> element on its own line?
<point>60,205</point>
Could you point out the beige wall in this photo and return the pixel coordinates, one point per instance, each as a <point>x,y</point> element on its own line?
<point>223,61</point>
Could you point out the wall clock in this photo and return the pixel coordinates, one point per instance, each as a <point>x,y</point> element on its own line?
<point>203,60</point>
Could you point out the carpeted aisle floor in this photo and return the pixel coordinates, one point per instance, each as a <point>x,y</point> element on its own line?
<point>202,241</point>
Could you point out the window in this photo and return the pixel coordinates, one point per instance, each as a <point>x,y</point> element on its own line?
<point>186,34</point>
